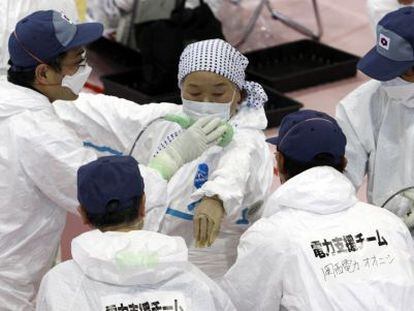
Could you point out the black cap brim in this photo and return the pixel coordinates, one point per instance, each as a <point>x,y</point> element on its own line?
<point>273,140</point>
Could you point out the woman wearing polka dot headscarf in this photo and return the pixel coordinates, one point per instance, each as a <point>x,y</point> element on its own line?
<point>215,198</point>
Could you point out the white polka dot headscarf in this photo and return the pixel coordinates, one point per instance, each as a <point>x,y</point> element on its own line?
<point>220,57</point>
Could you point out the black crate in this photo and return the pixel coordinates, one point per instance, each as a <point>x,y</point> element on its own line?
<point>126,85</point>
<point>129,85</point>
<point>300,64</point>
<point>278,106</point>
<point>116,53</point>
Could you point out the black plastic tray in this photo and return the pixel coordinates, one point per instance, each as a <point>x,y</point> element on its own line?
<point>300,64</point>
<point>278,106</point>
<point>116,53</point>
<point>126,85</point>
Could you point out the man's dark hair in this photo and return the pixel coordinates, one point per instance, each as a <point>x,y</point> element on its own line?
<point>26,77</point>
<point>293,168</point>
<point>114,217</point>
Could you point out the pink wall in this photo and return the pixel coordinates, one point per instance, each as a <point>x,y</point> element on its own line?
<point>73,228</point>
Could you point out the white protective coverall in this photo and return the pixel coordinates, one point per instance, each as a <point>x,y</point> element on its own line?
<point>318,248</point>
<point>377,9</point>
<point>109,125</point>
<point>126,271</point>
<point>11,11</point>
<point>39,159</point>
<point>377,120</point>
<point>240,174</point>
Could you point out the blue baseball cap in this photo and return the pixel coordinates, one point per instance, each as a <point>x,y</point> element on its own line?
<point>307,133</point>
<point>393,54</point>
<point>106,179</point>
<point>43,35</point>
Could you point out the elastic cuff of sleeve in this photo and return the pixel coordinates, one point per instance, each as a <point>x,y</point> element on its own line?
<point>164,164</point>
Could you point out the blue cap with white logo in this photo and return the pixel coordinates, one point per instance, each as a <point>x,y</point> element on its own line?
<point>306,133</point>
<point>394,53</point>
<point>43,35</point>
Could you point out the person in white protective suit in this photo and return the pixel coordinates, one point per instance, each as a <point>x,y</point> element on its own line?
<point>118,266</point>
<point>377,117</point>
<point>40,154</point>
<point>224,188</point>
<point>317,247</point>
<point>14,10</point>
<point>377,9</point>
<point>215,198</point>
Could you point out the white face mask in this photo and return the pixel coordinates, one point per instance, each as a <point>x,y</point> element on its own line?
<point>76,81</point>
<point>196,109</point>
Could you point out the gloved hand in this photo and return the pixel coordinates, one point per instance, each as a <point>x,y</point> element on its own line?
<point>207,220</point>
<point>188,146</point>
<point>185,122</point>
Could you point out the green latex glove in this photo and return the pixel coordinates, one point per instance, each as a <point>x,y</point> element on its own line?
<point>185,122</point>
<point>182,120</point>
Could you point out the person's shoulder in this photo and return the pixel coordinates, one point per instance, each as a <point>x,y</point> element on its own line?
<point>249,138</point>
<point>59,286</point>
<point>64,276</point>
<point>268,230</point>
<point>249,118</point>
<point>370,86</point>
<point>12,95</point>
<point>381,215</point>
<point>362,94</point>
<point>65,271</point>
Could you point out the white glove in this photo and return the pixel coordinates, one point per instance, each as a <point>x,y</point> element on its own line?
<point>188,146</point>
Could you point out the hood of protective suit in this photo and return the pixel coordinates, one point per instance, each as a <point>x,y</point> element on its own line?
<point>399,89</point>
<point>129,258</point>
<point>320,190</point>
<point>249,117</point>
<point>18,99</point>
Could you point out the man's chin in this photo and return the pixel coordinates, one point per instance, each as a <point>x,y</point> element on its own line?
<point>69,96</point>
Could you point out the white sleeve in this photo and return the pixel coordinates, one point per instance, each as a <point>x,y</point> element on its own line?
<point>108,122</point>
<point>243,174</point>
<point>255,281</point>
<point>50,155</point>
<point>356,155</point>
<point>359,115</point>
<point>156,198</point>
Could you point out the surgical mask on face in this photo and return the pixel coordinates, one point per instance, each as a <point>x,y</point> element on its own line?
<point>197,110</point>
<point>76,81</point>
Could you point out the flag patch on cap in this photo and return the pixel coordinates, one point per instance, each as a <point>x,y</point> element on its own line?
<point>384,41</point>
